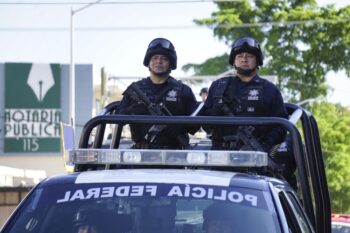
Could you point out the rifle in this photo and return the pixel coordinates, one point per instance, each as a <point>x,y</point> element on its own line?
<point>157,110</point>
<point>244,135</point>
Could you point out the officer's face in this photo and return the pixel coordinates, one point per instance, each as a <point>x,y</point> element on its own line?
<point>245,61</point>
<point>204,96</point>
<point>159,64</point>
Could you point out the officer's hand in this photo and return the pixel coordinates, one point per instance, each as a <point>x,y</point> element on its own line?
<point>216,110</point>
<point>177,133</point>
<point>136,109</point>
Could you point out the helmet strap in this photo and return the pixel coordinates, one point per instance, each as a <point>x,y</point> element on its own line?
<point>165,73</point>
<point>246,72</point>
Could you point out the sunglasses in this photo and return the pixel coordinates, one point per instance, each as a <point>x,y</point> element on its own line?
<point>246,41</point>
<point>163,43</point>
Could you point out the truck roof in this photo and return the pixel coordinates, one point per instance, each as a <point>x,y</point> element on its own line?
<point>170,176</point>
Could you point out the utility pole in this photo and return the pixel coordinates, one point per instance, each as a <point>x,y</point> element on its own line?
<point>72,65</point>
<point>103,88</point>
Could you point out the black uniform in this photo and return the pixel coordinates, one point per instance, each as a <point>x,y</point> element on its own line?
<point>258,97</point>
<point>177,97</point>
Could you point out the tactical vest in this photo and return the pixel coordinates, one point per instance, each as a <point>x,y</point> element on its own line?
<point>170,95</point>
<point>248,103</point>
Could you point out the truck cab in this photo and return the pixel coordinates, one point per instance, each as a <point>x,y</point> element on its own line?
<point>115,188</point>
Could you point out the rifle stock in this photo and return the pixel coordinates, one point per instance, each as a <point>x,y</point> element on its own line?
<point>141,97</point>
<point>157,110</point>
<point>243,134</point>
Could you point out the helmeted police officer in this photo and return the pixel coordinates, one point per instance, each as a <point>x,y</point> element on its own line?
<point>203,93</point>
<point>88,220</point>
<point>162,90</point>
<point>245,94</point>
<point>283,154</point>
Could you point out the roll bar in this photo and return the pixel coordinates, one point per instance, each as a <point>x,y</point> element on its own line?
<point>316,170</point>
<point>307,154</point>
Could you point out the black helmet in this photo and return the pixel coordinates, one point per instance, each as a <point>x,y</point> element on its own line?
<point>85,216</point>
<point>203,90</point>
<point>91,216</point>
<point>161,46</point>
<point>246,44</point>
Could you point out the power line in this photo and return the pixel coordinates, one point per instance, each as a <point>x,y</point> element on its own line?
<point>119,2</point>
<point>181,27</point>
<point>116,2</point>
<point>286,23</point>
<point>101,28</point>
<point>311,85</point>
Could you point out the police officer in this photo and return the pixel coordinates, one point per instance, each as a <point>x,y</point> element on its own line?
<point>88,220</point>
<point>245,94</point>
<point>203,93</point>
<point>169,95</point>
<point>283,154</point>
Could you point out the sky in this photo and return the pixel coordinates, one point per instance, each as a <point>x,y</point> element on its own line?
<point>115,36</point>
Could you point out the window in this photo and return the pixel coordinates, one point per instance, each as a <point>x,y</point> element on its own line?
<point>296,219</point>
<point>144,208</point>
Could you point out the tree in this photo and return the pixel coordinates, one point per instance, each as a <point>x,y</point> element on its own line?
<point>301,41</point>
<point>334,125</point>
<point>211,66</point>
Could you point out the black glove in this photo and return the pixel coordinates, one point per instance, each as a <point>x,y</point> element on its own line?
<point>136,109</point>
<point>173,133</point>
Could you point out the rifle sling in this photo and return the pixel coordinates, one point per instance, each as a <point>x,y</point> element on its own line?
<point>173,84</point>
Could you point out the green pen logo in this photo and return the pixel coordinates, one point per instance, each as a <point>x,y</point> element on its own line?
<point>41,80</point>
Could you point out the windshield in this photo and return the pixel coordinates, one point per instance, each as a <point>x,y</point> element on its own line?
<point>339,227</point>
<point>144,208</point>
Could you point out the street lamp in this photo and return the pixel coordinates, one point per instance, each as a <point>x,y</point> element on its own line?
<point>310,100</point>
<point>72,65</point>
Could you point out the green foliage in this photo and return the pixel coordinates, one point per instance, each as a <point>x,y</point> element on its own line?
<point>211,66</point>
<point>301,41</point>
<point>334,124</point>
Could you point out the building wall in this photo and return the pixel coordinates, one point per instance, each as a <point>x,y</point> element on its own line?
<point>84,96</point>
<point>9,199</point>
<point>2,106</point>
